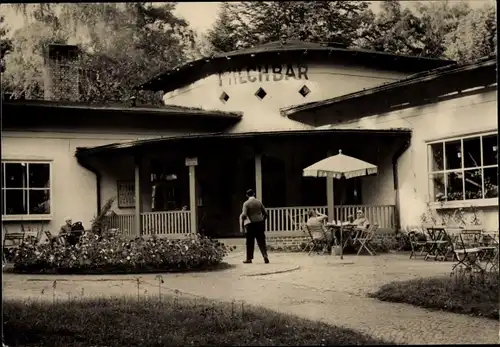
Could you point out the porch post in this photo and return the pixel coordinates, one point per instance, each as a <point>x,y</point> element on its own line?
<point>138,202</point>
<point>330,195</point>
<point>193,206</point>
<point>258,176</point>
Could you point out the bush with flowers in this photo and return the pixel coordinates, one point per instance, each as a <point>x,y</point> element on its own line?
<point>115,254</point>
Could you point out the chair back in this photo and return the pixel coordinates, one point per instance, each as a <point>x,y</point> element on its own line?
<point>372,229</point>
<point>14,238</point>
<point>48,234</point>
<point>316,231</point>
<point>471,238</point>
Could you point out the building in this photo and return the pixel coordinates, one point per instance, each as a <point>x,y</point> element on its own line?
<point>254,119</point>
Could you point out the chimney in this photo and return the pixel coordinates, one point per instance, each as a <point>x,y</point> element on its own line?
<point>62,73</point>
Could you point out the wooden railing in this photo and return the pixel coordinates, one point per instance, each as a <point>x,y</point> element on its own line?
<point>124,222</point>
<point>166,223</point>
<point>290,218</point>
<point>280,219</point>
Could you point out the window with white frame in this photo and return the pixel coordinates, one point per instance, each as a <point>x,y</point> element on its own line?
<point>26,188</point>
<point>464,168</point>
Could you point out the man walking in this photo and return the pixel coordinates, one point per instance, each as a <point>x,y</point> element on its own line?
<point>252,220</point>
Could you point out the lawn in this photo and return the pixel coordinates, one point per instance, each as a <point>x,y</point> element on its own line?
<point>460,292</point>
<point>173,321</point>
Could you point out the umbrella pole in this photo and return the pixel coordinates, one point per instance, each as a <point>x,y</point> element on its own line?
<point>341,226</point>
<point>341,236</point>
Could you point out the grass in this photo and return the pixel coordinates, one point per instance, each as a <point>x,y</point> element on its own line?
<point>461,292</point>
<point>171,321</point>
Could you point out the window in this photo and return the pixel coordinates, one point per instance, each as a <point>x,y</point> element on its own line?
<point>126,194</point>
<point>464,169</point>
<point>304,91</point>
<point>26,188</point>
<point>224,97</point>
<point>260,94</point>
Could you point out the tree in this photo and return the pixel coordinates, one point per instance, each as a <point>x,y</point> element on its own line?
<point>5,43</point>
<point>24,75</point>
<point>395,29</point>
<point>423,31</point>
<point>474,37</point>
<point>122,44</point>
<point>438,19</point>
<point>223,36</point>
<point>245,24</point>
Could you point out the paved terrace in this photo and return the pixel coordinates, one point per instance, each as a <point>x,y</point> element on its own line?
<point>316,287</point>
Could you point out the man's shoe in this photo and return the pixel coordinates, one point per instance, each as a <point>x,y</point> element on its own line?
<point>266,260</point>
<point>247,261</point>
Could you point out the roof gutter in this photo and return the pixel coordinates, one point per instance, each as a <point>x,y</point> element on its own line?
<point>399,152</point>
<point>98,180</point>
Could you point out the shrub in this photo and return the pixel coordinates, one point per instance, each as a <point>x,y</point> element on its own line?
<point>116,254</point>
<point>462,292</point>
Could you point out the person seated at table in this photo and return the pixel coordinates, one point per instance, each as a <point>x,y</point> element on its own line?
<point>361,222</point>
<point>64,231</point>
<point>316,219</point>
<point>66,227</point>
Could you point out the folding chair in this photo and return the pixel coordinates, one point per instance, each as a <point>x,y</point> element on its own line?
<point>366,238</point>
<point>15,239</point>
<point>489,250</point>
<point>418,246</point>
<point>318,238</point>
<point>467,257</point>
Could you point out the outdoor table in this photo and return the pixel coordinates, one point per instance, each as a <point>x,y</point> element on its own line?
<point>347,230</point>
<point>437,246</point>
<point>436,233</point>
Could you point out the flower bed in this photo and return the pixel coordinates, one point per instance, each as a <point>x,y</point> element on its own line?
<point>118,255</point>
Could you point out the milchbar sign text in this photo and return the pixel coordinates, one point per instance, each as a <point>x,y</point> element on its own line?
<point>264,73</point>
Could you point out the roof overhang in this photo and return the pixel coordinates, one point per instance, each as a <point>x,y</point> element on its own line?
<point>22,113</point>
<point>295,51</point>
<point>204,140</point>
<point>419,88</point>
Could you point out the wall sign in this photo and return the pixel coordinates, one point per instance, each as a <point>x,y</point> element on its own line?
<point>264,73</point>
<point>191,161</point>
<point>126,194</point>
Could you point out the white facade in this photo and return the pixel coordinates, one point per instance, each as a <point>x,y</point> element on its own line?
<point>469,115</point>
<point>323,82</point>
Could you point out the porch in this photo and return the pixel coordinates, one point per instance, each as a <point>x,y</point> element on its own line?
<point>282,220</point>
<point>180,186</point>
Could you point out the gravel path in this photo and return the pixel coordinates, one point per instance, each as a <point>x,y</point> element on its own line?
<point>324,289</point>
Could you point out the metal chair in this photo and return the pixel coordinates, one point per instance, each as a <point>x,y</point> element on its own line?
<point>365,239</point>
<point>418,246</point>
<point>489,250</point>
<point>318,238</point>
<point>15,239</point>
<point>467,255</point>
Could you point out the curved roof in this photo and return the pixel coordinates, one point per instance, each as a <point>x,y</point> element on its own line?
<point>429,84</point>
<point>275,51</point>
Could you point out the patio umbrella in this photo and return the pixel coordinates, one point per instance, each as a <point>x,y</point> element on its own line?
<point>340,166</point>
